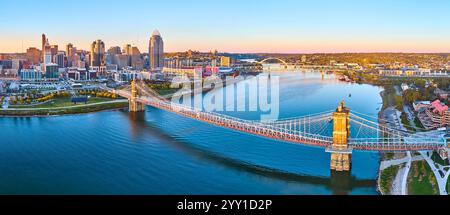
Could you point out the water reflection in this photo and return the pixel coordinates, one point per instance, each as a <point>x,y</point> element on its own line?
<point>341,183</point>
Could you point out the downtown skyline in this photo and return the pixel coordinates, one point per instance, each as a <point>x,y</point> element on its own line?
<point>250,27</point>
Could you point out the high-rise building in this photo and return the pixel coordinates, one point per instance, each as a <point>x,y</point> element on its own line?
<point>123,61</point>
<point>70,53</point>
<point>47,51</point>
<point>156,51</point>
<point>59,59</point>
<point>44,41</point>
<point>54,50</point>
<point>135,51</point>
<point>114,50</point>
<point>69,48</point>
<point>33,56</point>
<point>48,57</point>
<point>51,71</point>
<point>110,57</point>
<point>98,53</point>
<point>127,49</point>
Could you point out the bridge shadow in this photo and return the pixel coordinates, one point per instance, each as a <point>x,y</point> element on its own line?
<point>340,183</point>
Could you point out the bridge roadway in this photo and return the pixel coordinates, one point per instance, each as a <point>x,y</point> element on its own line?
<point>417,143</point>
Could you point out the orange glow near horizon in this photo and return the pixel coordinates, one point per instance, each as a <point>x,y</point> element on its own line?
<point>274,45</point>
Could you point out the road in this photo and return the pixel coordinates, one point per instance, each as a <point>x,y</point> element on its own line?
<point>5,103</point>
<point>386,164</point>
<point>405,174</point>
<point>442,181</point>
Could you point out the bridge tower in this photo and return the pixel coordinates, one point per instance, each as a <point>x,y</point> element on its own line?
<point>341,153</point>
<point>134,105</point>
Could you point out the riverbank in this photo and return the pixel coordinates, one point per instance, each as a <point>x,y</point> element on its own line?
<point>73,109</point>
<point>390,180</point>
<point>402,178</point>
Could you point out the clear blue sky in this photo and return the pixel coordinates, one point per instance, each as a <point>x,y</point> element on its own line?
<point>294,26</point>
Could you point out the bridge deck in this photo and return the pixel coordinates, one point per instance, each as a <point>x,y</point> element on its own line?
<point>286,135</point>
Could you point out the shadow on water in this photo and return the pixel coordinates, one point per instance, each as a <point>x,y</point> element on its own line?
<point>340,183</point>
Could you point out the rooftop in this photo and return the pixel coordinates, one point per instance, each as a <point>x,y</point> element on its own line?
<point>156,33</point>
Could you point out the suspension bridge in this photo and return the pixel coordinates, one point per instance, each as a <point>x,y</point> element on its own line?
<point>339,131</point>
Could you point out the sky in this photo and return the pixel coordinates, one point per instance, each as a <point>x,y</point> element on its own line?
<point>239,26</point>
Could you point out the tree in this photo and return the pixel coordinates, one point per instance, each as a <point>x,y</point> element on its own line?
<point>420,83</point>
<point>411,96</point>
<point>398,101</point>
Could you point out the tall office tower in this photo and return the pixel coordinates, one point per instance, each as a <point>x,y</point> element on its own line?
<point>114,50</point>
<point>136,60</point>
<point>127,49</point>
<point>44,41</point>
<point>69,49</point>
<point>111,55</point>
<point>33,56</point>
<point>156,51</point>
<point>59,59</point>
<point>135,51</point>
<point>98,53</point>
<point>54,50</point>
<point>48,57</point>
<point>70,52</point>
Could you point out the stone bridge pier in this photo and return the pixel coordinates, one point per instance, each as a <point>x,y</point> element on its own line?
<point>341,153</point>
<point>134,104</point>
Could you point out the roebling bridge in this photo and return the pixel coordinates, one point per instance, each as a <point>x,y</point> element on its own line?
<point>338,131</point>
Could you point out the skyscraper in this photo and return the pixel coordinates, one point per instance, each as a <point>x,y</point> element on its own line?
<point>156,51</point>
<point>59,59</point>
<point>44,41</point>
<point>33,56</point>
<point>70,52</point>
<point>110,57</point>
<point>98,53</point>
<point>127,49</point>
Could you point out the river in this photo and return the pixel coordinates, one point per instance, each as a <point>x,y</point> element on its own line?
<point>156,152</point>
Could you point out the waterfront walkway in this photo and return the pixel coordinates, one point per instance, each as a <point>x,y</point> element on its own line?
<point>400,183</point>
<point>441,179</point>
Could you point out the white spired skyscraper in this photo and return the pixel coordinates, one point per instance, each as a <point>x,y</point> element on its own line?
<point>156,51</point>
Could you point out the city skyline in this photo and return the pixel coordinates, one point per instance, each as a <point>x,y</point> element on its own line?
<point>250,27</point>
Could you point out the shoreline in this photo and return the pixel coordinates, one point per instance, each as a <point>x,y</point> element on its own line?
<point>60,115</point>
<point>380,115</point>
<point>64,111</point>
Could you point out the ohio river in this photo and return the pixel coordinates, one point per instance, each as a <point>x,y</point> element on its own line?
<point>156,152</point>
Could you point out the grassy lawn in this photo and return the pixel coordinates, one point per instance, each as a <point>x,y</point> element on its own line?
<point>448,185</point>
<point>421,180</point>
<point>386,178</point>
<point>405,122</point>
<point>165,92</point>
<point>388,156</point>
<point>63,111</point>
<point>418,123</point>
<point>64,102</point>
<point>437,159</point>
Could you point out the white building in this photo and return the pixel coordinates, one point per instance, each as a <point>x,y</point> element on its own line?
<point>405,87</point>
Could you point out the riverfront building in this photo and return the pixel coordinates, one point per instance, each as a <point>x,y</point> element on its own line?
<point>433,115</point>
<point>225,61</point>
<point>30,75</point>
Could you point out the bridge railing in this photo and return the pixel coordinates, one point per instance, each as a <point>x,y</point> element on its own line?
<point>229,120</point>
<point>291,129</point>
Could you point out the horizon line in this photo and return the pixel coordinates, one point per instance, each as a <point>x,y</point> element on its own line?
<point>284,53</point>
